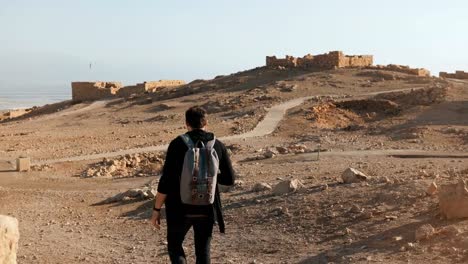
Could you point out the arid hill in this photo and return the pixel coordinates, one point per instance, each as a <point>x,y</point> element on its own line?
<point>292,202</point>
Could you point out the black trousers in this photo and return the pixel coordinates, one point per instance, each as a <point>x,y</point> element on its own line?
<point>176,231</point>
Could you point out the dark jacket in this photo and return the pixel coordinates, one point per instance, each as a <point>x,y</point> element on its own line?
<point>170,180</point>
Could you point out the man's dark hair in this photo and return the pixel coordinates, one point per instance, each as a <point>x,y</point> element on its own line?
<point>196,117</point>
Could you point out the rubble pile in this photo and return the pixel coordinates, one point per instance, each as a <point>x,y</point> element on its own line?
<point>44,167</point>
<point>136,165</point>
<point>148,191</point>
<point>328,115</point>
<point>371,107</point>
<point>417,96</point>
<point>272,152</point>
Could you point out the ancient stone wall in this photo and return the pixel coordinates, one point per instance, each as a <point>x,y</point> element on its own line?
<point>457,75</point>
<point>9,237</point>
<point>150,86</point>
<point>403,69</point>
<point>334,59</point>
<point>356,61</point>
<point>289,61</point>
<point>153,85</point>
<point>89,91</point>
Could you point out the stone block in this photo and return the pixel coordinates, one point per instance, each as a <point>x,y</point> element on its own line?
<point>9,237</point>
<point>453,200</point>
<point>23,164</point>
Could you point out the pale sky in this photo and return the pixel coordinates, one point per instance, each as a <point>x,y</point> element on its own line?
<point>49,43</point>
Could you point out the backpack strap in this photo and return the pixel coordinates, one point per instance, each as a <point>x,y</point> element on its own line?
<point>188,141</point>
<point>210,144</point>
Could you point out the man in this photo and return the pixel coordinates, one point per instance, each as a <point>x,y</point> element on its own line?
<point>181,216</point>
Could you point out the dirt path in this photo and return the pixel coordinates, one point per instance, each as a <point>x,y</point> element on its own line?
<point>265,127</point>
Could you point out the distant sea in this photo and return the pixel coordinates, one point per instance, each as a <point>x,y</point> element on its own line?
<point>25,99</point>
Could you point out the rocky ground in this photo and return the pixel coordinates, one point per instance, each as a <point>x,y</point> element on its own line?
<point>405,136</point>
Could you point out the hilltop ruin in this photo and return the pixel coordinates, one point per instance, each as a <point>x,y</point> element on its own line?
<point>90,91</point>
<point>457,75</point>
<point>333,59</point>
<point>337,59</point>
<point>403,69</point>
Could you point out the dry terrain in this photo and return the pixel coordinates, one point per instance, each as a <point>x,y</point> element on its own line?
<point>404,132</point>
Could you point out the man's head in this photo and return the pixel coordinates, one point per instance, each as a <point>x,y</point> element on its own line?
<point>195,118</point>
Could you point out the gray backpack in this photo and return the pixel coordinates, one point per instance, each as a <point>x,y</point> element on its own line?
<point>199,173</point>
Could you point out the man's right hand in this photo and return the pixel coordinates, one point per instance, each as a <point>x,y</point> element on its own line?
<point>156,219</point>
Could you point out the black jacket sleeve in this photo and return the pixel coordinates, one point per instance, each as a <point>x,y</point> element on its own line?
<point>227,176</point>
<point>166,180</point>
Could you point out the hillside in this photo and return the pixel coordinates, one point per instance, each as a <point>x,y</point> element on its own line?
<point>403,131</point>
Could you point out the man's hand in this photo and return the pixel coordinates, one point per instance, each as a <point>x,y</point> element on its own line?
<point>156,219</point>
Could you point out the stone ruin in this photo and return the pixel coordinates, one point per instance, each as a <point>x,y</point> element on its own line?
<point>457,75</point>
<point>333,59</point>
<point>151,87</point>
<point>337,59</point>
<point>403,69</point>
<point>90,91</point>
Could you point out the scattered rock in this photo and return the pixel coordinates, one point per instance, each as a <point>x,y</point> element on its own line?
<point>44,167</point>
<point>146,164</point>
<point>450,231</point>
<point>424,232</point>
<point>352,175</point>
<point>270,154</point>
<point>367,215</point>
<point>238,184</point>
<point>432,189</point>
<point>282,150</point>
<point>280,211</point>
<point>260,187</point>
<point>287,186</point>
<point>391,217</point>
<point>355,209</point>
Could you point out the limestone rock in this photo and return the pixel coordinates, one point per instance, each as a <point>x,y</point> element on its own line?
<point>432,189</point>
<point>287,186</point>
<point>282,150</point>
<point>453,200</point>
<point>238,184</point>
<point>9,236</point>
<point>450,231</point>
<point>269,154</point>
<point>352,175</point>
<point>424,232</point>
<point>261,186</point>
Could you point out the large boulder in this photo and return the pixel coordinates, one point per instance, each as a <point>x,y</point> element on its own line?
<point>351,175</point>
<point>9,236</point>
<point>287,186</point>
<point>453,200</point>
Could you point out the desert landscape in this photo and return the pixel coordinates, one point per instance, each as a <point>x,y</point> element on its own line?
<point>337,161</point>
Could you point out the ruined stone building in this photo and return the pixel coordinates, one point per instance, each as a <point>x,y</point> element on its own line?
<point>403,69</point>
<point>457,75</point>
<point>334,59</point>
<point>90,91</point>
<point>151,86</point>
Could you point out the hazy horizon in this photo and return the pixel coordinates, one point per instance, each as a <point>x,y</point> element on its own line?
<point>48,44</point>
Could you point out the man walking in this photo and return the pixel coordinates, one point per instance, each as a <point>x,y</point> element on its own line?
<point>195,163</point>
